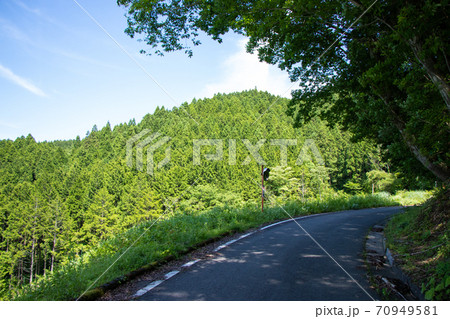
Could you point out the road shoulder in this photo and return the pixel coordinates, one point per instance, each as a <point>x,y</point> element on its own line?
<point>385,276</point>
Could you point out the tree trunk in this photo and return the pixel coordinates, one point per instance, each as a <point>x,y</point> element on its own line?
<point>32,260</point>
<point>45,260</point>
<point>437,79</point>
<point>20,271</point>
<point>53,251</point>
<point>33,245</point>
<point>54,239</point>
<point>38,255</point>
<point>440,172</point>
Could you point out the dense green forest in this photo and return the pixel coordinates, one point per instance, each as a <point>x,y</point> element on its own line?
<point>59,199</point>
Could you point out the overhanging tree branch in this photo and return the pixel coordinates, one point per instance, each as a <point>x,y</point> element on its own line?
<point>440,172</point>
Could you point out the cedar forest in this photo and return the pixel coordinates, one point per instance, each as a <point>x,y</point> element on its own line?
<point>376,108</point>
<point>58,199</point>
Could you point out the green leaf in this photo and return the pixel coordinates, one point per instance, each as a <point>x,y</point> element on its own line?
<point>429,294</point>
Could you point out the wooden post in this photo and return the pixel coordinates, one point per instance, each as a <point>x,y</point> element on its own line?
<point>262,188</point>
<point>303,187</point>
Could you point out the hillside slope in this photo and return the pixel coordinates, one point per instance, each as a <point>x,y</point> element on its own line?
<point>419,242</point>
<point>60,199</point>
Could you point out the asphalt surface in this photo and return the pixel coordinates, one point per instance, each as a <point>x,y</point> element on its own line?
<point>284,263</point>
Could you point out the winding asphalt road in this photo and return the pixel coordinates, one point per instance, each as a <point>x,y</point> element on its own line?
<point>284,263</point>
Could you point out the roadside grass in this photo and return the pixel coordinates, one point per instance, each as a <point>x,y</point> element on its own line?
<point>418,239</point>
<point>412,198</point>
<point>152,242</point>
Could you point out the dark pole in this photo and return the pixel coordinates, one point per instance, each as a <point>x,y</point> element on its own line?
<point>262,188</point>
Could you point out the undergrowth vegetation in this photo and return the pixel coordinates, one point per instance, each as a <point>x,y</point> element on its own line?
<point>407,198</point>
<point>419,240</point>
<point>172,236</point>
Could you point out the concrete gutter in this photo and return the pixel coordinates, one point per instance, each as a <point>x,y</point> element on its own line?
<point>383,271</point>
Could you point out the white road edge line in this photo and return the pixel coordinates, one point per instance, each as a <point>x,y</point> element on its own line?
<point>246,235</point>
<point>169,275</point>
<point>146,289</point>
<point>155,284</point>
<point>275,224</point>
<point>189,264</point>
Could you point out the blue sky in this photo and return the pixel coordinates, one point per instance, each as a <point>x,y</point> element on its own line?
<point>60,73</point>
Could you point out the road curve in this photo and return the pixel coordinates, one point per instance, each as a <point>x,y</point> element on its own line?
<point>284,263</point>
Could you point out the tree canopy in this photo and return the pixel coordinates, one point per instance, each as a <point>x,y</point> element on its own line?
<point>379,68</point>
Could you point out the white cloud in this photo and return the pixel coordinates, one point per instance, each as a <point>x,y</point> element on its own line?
<point>24,83</point>
<point>40,14</point>
<point>9,125</point>
<point>13,32</point>
<point>243,71</point>
<point>27,8</point>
